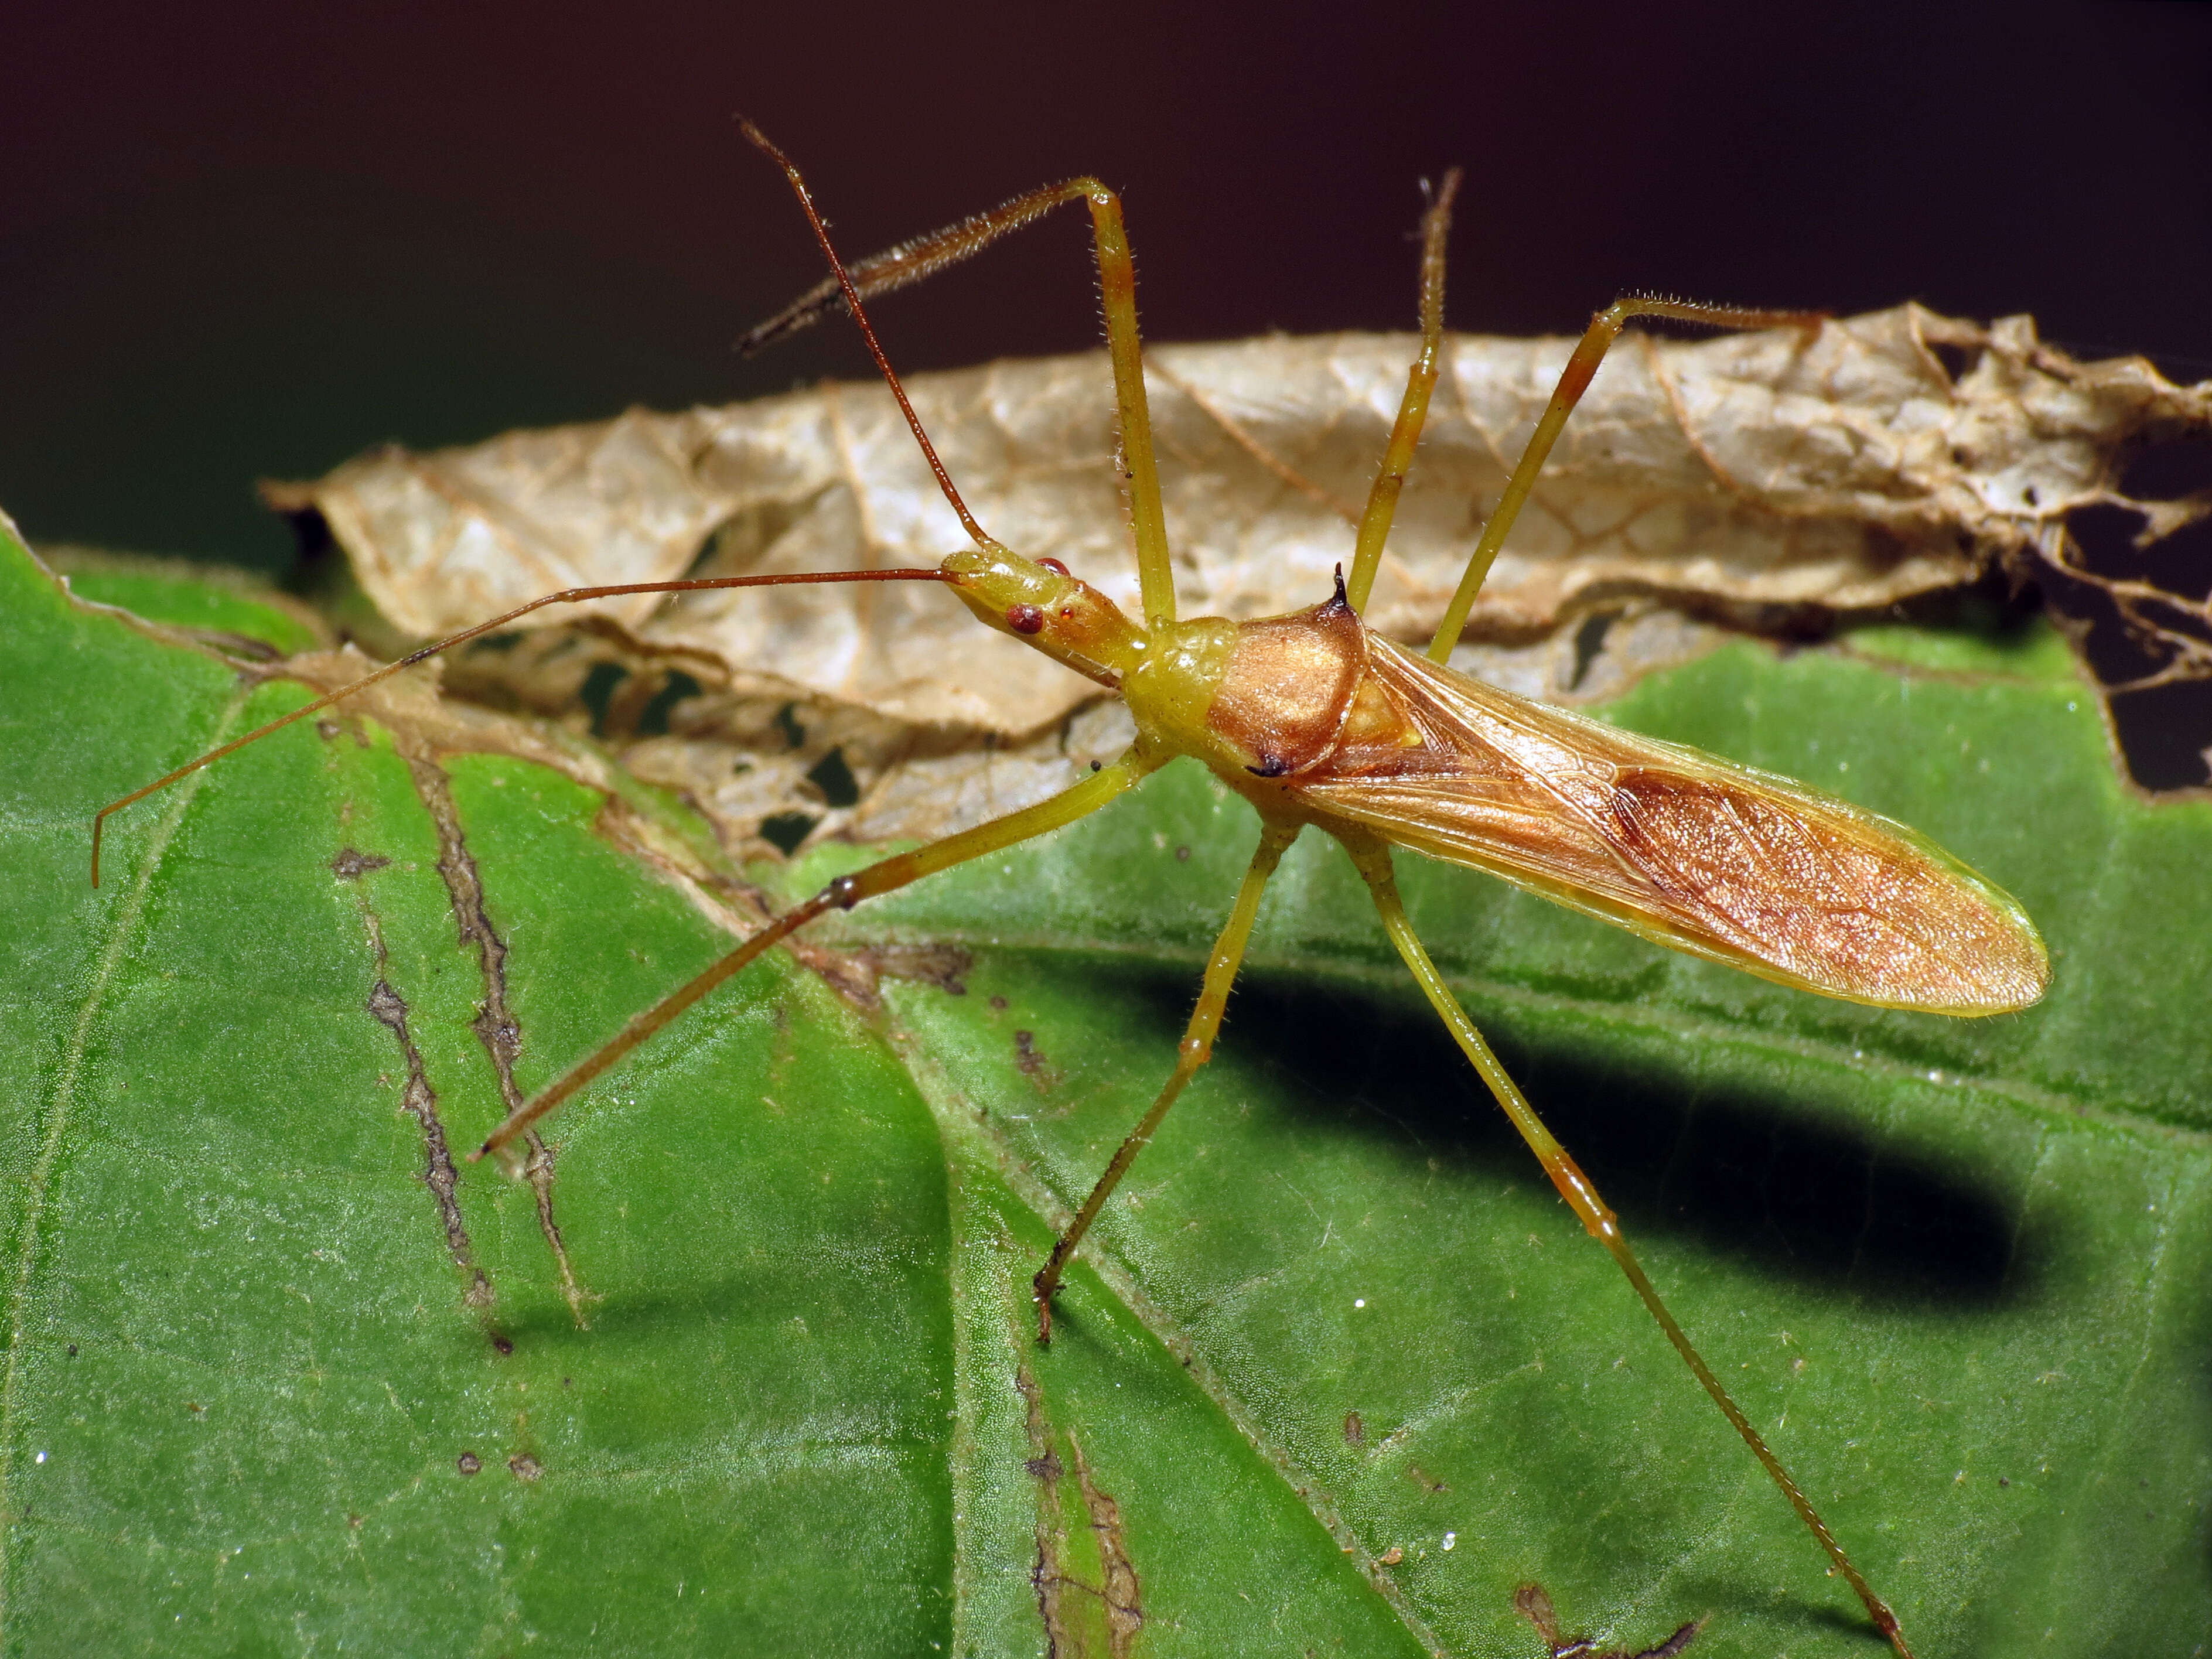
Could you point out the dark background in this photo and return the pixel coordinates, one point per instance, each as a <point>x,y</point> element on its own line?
<point>236,242</point>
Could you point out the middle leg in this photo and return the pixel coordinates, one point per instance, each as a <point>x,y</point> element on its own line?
<point>884,875</point>
<point>1196,1049</point>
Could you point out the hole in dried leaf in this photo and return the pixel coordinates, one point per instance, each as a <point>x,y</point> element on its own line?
<point>1589,640</point>
<point>653,718</point>
<point>785,830</point>
<point>2166,731</point>
<point>2166,472</point>
<point>598,691</point>
<point>2137,613</point>
<point>1958,362</point>
<point>2179,562</point>
<point>832,775</point>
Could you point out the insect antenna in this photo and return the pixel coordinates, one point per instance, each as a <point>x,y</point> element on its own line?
<point>572,595</point>
<point>852,293</point>
<point>566,596</point>
<point>911,261</point>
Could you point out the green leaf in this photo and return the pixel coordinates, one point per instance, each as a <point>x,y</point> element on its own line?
<point>1345,1371</point>
<point>210,604</point>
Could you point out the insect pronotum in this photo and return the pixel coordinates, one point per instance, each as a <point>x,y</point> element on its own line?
<point>1317,721</point>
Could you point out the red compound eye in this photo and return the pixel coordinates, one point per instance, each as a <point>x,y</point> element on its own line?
<point>1025,619</point>
<point>1055,566</point>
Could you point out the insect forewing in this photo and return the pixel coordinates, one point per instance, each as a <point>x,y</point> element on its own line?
<point>1681,847</point>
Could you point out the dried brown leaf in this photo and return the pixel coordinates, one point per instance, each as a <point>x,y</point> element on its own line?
<point>1896,453</point>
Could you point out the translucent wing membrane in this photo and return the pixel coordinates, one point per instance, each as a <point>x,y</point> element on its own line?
<point>1683,848</point>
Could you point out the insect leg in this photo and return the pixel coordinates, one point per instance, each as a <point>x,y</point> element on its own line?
<point>913,260</point>
<point>1117,285</point>
<point>1197,1047</point>
<point>1414,407</point>
<point>882,876</point>
<point>1604,329</point>
<point>1373,858</point>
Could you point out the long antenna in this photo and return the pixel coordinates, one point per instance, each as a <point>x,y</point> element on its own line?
<point>867,330</point>
<point>566,596</point>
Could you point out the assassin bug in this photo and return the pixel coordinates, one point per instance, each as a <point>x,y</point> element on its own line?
<point>1317,721</point>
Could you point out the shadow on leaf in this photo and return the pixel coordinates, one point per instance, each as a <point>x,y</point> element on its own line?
<point>1742,1174</point>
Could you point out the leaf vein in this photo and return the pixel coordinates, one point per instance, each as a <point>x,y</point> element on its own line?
<point>38,1188</point>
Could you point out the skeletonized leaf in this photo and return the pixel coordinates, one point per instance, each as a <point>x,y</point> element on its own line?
<point>1896,453</point>
<point>1850,470</point>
